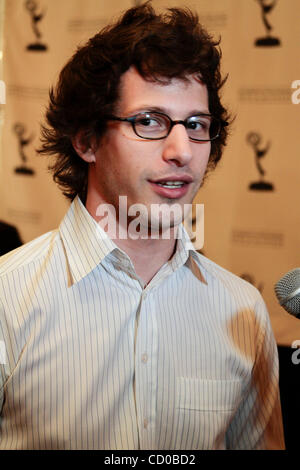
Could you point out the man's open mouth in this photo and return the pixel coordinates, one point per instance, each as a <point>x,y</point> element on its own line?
<point>171,184</point>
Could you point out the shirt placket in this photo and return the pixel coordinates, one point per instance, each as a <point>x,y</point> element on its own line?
<point>146,353</point>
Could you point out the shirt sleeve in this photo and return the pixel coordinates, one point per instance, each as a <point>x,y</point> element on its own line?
<point>5,348</point>
<point>2,359</point>
<point>258,421</point>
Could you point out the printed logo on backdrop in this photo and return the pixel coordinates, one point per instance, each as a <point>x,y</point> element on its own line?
<point>268,94</point>
<point>249,237</point>
<point>20,132</point>
<point>254,139</point>
<point>36,16</point>
<point>266,7</point>
<point>250,278</point>
<point>214,21</point>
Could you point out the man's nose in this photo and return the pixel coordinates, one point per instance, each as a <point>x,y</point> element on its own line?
<point>177,146</point>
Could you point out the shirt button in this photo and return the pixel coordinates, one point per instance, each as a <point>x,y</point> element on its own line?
<point>145,423</point>
<point>144,358</point>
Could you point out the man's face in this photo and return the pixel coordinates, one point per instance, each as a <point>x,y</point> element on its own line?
<point>127,165</point>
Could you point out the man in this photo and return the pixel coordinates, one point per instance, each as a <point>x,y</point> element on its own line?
<point>136,341</point>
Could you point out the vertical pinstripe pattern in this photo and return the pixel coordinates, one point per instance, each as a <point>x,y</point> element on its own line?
<point>96,361</point>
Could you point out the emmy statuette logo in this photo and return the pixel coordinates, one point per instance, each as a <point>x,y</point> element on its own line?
<point>20,130</point>
<point>266,7</point>
<point>254,139</point>
<point>32,8</point>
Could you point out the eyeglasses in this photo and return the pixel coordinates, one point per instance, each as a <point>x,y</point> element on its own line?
<point>156,125</point>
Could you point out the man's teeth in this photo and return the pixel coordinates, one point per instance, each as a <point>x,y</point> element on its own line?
<point>171,184</point>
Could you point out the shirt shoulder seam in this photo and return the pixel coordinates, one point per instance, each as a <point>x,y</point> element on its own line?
<point>26,254</point>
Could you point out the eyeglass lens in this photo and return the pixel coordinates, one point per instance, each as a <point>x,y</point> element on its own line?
<point>156,125</point>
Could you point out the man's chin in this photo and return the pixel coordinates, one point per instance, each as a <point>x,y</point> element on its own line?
<point>155,220</point>
<point>163,228</point>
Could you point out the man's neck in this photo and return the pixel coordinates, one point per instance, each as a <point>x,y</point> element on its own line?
<point>147,255</point>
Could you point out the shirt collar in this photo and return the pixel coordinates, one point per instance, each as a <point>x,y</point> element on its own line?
<point>184,248</point>
<point>185,252</point>
<point>86,244</point>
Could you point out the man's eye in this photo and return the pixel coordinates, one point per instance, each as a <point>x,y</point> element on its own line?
<point>147,121</point>
<point>195,125</point>
<point>198,124</point>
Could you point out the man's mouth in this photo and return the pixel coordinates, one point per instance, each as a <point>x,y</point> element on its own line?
<point>171,184</point>
<point>173,180</point>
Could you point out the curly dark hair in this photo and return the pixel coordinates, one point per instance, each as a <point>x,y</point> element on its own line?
<point>161,47</point>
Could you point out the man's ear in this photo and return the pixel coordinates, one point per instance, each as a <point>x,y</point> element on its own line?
<point>84,148</point>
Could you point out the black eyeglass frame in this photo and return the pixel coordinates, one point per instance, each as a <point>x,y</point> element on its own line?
<point>132,120</point>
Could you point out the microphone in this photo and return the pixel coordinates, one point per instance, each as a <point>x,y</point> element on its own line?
<point>287,291</point>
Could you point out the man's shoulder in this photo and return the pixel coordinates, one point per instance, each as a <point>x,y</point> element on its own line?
<point>31,252</point>
<point>230,281</point>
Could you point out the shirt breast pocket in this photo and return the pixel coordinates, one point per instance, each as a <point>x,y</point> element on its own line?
<point>205,409</point>
<point>208,395</point>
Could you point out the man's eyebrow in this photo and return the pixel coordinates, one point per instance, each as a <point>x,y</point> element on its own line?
<point>162,109</point>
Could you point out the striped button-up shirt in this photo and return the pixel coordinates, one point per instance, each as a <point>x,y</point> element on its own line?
<point>93,359</point>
